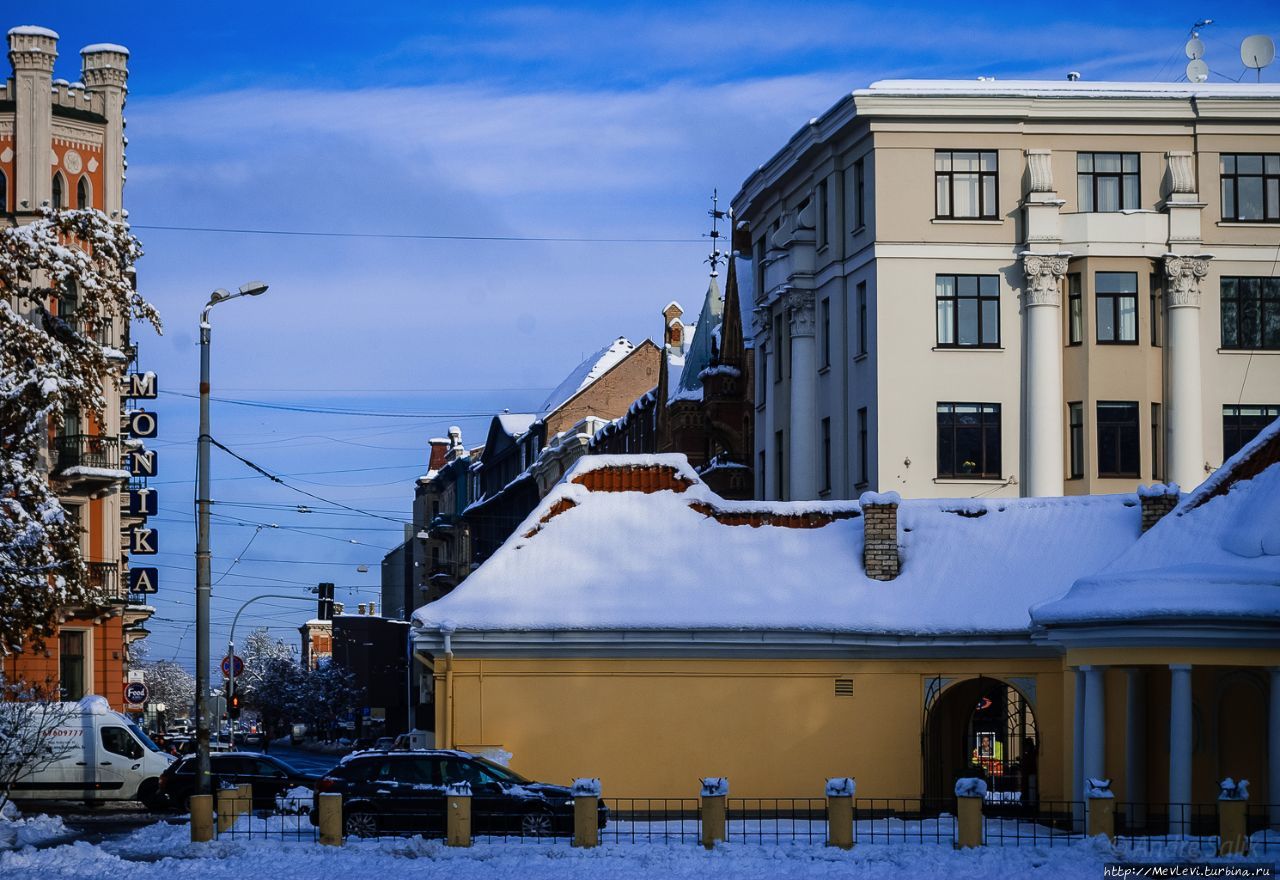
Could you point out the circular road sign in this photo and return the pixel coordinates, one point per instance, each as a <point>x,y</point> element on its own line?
<point>226,666</point>
<point>136,693</point>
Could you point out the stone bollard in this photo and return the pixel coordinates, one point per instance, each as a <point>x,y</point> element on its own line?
<point>329,818</point>
<point>586,807</point>
<point>715,791</point>
<point>1102,808</point>
<point>201,818</point>
<point>1233,833</point>
<point>840,791</point>
<point>226,800</point>
<point>458,810</point>
<point>970,793</point>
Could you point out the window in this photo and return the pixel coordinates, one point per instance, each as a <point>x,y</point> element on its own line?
<point>1240,424</point>
<point>969,440</point>
<point>57,200</point>
<point>764,483</point>
<point>757,266</point>
<point>1116,296</point>
<point>4,193</point>
<point>965,184</point>
<point>1075,420</point>
<point>68,300</point>
<point>1118,453</point>
<point>824,232</point>
<point>862,446</point>
<point>825,314</point>
<point>1157,307</point>
<point>826,455</point>
<point>1157,465</point>
<point>82,193</point>
<point>1107,182</point>
<point>777,465</point>
<point>71,664</point>
<point>859,196</point>
<point>968,310</point>
<point>1251,313</point>
<point>118,741</point>
<point>764,376</point>
<point>777,336</point>
<point>1250,187</point>
<point>1075,310</point>
<point>862,317</point>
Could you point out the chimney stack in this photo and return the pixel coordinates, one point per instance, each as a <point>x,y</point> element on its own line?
<point>360,609</point>
<point>1157,500</point>
<point>373,609</point>
<point>880,557</point>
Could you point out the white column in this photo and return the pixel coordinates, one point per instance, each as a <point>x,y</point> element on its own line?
<point>1077,750</point>
<point>1273,749</point>
<point>1179,745</point>
<point>1095,718</point>
<point>1042,301</point>
<point>802,433</point>
<point>1184,407</point>
<point>1135,748</point>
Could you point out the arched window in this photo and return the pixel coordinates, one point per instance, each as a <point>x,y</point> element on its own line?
<point>82,193</point>
<point>4,193</point>
<point>56,201</point>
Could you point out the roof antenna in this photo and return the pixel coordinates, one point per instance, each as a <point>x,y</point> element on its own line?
<point>716,216</point>
<point>1197,69</point>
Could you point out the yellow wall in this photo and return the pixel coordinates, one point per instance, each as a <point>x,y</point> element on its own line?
<point>651,728</point>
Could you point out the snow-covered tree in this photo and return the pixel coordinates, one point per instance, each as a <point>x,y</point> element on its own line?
<point>169,683</point>
<point>328,692</point>
<point>28,714</point>
<point>271,680</point>
<point>49,364</point>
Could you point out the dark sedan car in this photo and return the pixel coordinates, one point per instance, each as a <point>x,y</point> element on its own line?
<point>269,777</point>
<point>400,792</point>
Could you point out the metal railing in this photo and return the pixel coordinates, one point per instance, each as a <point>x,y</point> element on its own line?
<point>776,820</point>
<point>103,578</point>
<point>652,820</point>
<point>904,820</point>
<point>266,817</point>
<point>87,450</point>
<point>1047,823</point>
<point>1191,829</point>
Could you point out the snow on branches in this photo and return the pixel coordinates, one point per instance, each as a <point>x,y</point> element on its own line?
<point>51,363</point>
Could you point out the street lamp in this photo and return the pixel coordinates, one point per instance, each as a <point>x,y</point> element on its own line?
<point>203,587</point>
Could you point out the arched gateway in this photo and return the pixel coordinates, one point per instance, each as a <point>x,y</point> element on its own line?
<point>982,727</point>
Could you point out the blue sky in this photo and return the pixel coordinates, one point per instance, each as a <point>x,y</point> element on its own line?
<point>572,119</point>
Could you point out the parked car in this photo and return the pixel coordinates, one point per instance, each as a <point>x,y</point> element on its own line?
<point>399,792</point>
<point>269,777</point>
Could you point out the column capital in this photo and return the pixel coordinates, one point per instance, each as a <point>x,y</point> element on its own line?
<point>799,304</point>
<point>1044,277</point>
<point>1184,273</point>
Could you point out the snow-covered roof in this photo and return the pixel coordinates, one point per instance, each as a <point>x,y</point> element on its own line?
<point>591,369</point>
<point>697,355</point>
<point>1068,88</point>
<point>516,424</point>
<point>671,560</point>
<point>1215,557</point>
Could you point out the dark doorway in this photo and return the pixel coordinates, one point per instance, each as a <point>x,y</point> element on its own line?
<point>981,727</point>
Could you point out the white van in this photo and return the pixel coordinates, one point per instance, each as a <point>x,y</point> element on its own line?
<point>102,756</point>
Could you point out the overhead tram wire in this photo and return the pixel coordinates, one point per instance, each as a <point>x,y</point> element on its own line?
<point>418,236</point>
<point>334,410</point>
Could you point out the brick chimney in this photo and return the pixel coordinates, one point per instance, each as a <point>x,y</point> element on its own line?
<point>1157,500</point>
<point>439,453</point>
<point>880,557</point>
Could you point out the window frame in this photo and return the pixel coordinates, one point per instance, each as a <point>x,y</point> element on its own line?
<point>859,196</point>
<point>1264,307</point>
<point>1228,440</point>
<point>1157,429</point>
<point>779,459</point>
<point>1075,440</point>
<point>863,449</point>
<point>824,319</point>
<point>57,190</point>
<point>826,456</point>
<point>1115,297</point>
<point>1120,177</point>
<point>984,469</point>
<point>861,294</point>
<point>1075,308</point>
<point>777,335</point>
<point>955,299</point>
<point>985,211</point>
<point>1111,425</point>
<point>822,203</point>
<point>1232,179</point>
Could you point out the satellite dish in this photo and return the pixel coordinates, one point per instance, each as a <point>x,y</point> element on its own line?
<point>1197,71</point>
<point>1257,51</point>
<point>1195,48</point>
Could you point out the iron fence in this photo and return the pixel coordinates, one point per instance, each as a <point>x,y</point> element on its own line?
<point>904,820</point>
<point>89,451</point>
<point>1262,825</point>
<point>279,817</point>
<point>1190,829</point>
<point>776,820</point>
<point>652,820</point>
<point>1047,823</point>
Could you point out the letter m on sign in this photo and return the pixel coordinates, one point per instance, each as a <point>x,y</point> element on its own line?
<point>141,386</point>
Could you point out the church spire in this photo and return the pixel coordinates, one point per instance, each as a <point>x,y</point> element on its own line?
<point>732,350</point>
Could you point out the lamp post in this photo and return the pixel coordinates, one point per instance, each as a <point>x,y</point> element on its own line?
<point>203,580</point>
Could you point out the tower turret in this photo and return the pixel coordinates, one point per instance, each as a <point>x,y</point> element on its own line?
<point>105,69</point>
<point>32,51</point>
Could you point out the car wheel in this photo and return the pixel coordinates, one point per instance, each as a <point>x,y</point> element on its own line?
<point>536,824</point>
<point>361,825</point>
<point>149,794</point>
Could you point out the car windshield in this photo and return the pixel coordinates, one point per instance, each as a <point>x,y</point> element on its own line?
<point>504,774</point>
<point>143,738</point>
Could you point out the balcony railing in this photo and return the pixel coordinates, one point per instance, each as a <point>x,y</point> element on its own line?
<point>88,451</point>
<point>103,579</point>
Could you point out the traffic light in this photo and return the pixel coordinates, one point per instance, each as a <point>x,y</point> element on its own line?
<point>233,707</point>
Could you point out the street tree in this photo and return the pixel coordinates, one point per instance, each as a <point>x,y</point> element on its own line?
<point>53,361</point>
<point>168,683</point>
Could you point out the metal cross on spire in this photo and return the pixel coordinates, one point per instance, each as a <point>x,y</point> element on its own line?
<point>716,216</point>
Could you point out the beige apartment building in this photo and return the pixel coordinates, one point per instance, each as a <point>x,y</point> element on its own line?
<point>1015,288</point>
